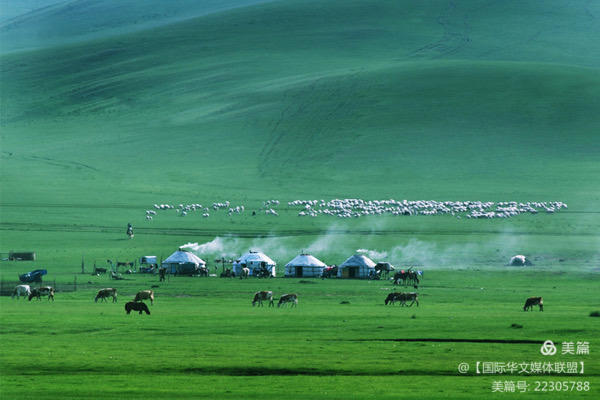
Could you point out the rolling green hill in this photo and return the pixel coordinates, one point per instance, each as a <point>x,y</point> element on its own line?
<point>474,100</point>
<point>28,24</point>
<point>109,107</point>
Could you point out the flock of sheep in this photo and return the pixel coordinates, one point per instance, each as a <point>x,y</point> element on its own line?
<point>354,208</point>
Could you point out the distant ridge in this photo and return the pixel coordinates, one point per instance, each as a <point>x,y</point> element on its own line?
<point>42,23</point>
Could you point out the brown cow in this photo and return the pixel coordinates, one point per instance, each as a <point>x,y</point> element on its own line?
<point>263,295</point>
<point>288,298</point>
<point>136,306</point>
<point>533,301</point>
<point>42,291</point>
<point>145,295</point>
<point>106,292</point>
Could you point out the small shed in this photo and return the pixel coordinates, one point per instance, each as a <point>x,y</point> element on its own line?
<point>21,256</point>
<point>254,260</point>
<point>304,265</point>
<point>183,263</point>
<point>358,266</point>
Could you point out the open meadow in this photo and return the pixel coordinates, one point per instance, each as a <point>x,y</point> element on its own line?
<point>110,109</point>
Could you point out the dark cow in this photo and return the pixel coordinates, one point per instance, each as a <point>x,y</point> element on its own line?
<point>145,295</point>
<point>106,292</point>
<point>288,298</point>
<point>42,291</point>
<point>533,301</point>
<point>263,295</point>
<point>392,298</point>
<point>402,298</point>
<point>136,306</point>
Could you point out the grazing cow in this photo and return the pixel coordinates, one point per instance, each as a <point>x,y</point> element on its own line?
<point>106,292</point>
<point>42,291</point>
<point>145,295</point>
<point>245,273</point>
<point>263,295</point>
<point>533,301</point>
<point>288,298</point>
<point>392,298</point>
<point>402,298</point>
<point>21,290</point>
<point>136,306</point>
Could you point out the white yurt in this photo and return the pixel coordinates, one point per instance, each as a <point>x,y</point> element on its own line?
<point>304,265</point>
<point>254,260</point>
<point>183,262</point>
<point>357,266</point>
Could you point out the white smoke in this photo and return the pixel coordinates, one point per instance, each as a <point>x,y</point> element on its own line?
<point>219,246</point>
<point>374,254</point>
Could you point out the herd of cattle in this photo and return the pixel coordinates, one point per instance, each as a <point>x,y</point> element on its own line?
<point>265,295</point>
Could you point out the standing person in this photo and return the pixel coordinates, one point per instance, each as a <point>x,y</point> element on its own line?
<point>130,231</point>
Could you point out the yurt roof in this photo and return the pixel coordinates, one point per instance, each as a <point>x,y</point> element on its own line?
<point>358,260</point>
<point>255,256</point>
<point>305,260</point>
<point>184,257</point>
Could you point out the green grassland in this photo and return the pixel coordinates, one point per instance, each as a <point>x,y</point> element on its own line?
<point>248,101</point>
<point>205,337</point>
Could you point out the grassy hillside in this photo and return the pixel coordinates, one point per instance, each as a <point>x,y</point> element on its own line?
<point>301,99</point>
<point>31,24</point>
<point>124,104</point>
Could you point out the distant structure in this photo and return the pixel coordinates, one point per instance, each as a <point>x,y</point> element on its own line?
<point>254,261</point>
<point>304,265</point>
<point>358,266</point>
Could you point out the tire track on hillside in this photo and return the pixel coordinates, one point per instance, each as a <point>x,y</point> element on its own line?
<point>455,35</point>
<point>278,132</point>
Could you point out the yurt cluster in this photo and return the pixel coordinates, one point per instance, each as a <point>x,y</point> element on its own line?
<point>358,266</point>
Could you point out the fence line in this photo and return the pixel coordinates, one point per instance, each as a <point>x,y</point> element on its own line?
<point>8,286</point>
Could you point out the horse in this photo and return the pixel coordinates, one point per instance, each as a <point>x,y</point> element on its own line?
<point>42,291</point>
<point>145,295</point>
<point>245,273</point>
<point>533,301</point>
<point>329,272</point>
<point>21,290</point>
<point>162,271</point>
<point>228,273</point>
<point>288,298</point>
<point>136,306</point>
<point>263,295</point>
<point>407,277</point>
<point>106,292</point>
